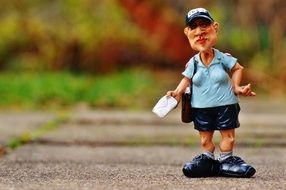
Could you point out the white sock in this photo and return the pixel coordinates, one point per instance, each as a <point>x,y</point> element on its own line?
<point>209,154</point>
<point>224,155</point>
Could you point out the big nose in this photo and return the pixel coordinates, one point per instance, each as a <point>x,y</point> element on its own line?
<point>199,33</point>
<point>199,30</point>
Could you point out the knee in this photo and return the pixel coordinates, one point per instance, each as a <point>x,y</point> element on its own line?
<point>228,136</point>
<point>229,139</point>
<point>206,142</point>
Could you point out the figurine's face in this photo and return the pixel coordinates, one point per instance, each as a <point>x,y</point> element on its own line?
<point>202,34</point>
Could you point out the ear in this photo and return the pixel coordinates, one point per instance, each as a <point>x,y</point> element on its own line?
<point>216,26</point>
<point>186,31</point>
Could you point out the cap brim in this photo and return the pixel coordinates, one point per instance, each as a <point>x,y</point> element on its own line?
<point>199,16</point>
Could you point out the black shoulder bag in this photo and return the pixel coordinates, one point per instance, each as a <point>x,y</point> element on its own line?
<point>186,113</point>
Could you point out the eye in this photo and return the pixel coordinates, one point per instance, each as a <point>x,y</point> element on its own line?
<point>204,25</point>
<point>193,26</point>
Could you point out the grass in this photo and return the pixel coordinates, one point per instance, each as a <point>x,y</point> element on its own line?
<point>133,88</point>
<point>129,89</point>
<point>27,137</point>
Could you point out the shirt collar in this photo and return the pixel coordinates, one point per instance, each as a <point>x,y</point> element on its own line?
<point>217,58</point>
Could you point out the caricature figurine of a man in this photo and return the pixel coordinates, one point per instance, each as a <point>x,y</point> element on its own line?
<point>216,87</point>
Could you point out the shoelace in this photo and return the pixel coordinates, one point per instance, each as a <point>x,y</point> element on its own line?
<point>235,160</point>
<point>199,157</point>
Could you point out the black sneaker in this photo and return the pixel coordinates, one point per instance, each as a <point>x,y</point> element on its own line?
<point>201,166</point>
<point>234,166</point>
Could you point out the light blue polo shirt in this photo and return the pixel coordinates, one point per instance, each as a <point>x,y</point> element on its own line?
<point>212,85</point>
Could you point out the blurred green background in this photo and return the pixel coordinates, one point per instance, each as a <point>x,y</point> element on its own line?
<point>127,53</point>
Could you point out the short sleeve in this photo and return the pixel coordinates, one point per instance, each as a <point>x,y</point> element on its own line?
<point>189,69</point>
<point>228,61</point>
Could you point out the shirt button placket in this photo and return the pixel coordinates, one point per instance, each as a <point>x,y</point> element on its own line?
<point>207,72</point>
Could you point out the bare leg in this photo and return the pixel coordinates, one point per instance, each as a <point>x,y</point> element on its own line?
<point>207,141</point>
<point>227,141</point>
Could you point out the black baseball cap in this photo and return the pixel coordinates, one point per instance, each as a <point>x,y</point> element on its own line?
<point>198,13</point>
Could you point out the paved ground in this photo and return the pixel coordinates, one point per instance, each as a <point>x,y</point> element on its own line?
<point>153,167</point>
<point>14,124</point>
<point>135,150</point>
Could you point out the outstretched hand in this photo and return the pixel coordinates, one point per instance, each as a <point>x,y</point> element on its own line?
<point>244,90</point>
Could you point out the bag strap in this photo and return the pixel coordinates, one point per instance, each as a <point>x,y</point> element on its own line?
<point>195,66</point>
<point>195,70</point>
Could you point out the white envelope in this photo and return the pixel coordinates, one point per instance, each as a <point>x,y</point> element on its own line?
<point>164,106</point>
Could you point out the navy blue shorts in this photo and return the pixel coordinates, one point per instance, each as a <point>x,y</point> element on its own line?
<point>216,118</point>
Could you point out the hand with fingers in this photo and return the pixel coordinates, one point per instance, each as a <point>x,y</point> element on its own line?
<point>244,90</point>
<point>177,96</point>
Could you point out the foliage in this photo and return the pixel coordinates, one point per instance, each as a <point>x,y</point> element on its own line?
<point>97,37</point>
<point>128,89</point>
<point>72,35</point>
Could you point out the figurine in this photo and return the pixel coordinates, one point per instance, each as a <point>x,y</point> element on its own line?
<point>216,87</point>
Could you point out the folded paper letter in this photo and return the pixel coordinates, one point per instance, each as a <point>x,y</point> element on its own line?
<point>164,106</point>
